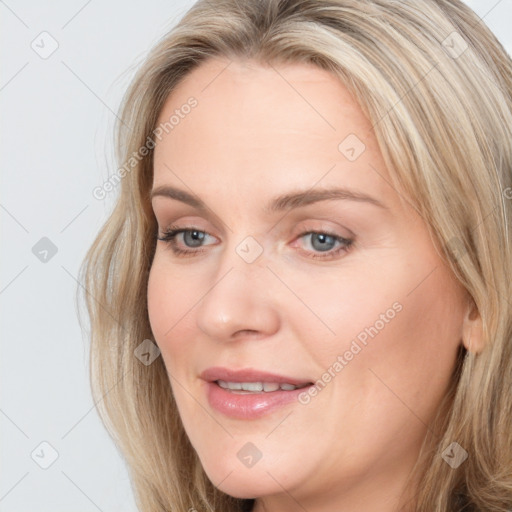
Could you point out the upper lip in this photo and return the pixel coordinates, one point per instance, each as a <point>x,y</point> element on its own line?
<point>215,373</point>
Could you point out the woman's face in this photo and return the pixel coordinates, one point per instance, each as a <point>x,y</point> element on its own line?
<point>289,279</point>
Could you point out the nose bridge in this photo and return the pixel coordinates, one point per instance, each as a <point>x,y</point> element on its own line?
<point>238,296</point>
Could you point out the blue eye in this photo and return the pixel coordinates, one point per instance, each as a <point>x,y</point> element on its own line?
<point>191,238</point>
<point>323,244</point>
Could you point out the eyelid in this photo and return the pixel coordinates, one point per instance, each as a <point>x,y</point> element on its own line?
<point>174,231</point>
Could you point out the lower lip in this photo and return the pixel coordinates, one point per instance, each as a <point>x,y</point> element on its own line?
<point>249,406</point>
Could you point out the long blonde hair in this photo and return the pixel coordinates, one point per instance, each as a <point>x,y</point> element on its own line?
<point>436,86</point>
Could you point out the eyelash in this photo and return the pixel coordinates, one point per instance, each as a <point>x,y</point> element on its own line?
<point>169,237</point>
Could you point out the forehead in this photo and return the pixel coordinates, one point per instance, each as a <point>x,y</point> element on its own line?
<point>255,128</point>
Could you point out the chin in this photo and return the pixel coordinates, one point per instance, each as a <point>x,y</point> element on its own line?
<point>242,482</point>
<point>248,488</point>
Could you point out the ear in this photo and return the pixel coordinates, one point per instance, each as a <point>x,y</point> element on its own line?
<point>472,330</point>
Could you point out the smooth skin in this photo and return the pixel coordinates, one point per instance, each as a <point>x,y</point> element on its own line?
<point>258,132</point>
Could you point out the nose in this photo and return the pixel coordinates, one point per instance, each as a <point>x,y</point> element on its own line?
<point>239,301</point>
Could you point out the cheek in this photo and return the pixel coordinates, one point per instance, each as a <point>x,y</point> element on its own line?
<point>173,296</point>
<point>160,303</point>
<point>168,303</point>
<point>392,331</point>
<point>335,308</point>
<point>389,363</point>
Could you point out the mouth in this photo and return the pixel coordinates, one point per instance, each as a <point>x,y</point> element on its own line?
<point>257,387</point>
<point>250,394</point>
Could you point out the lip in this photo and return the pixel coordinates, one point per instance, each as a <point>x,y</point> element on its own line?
<point>249,406</point>
<point>248,375</point>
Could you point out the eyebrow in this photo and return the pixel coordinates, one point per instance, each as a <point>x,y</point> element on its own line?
<point>295,199</point>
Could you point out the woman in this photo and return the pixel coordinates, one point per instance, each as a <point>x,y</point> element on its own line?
<point>301,300</point>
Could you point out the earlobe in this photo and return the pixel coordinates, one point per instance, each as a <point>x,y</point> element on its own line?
<point>472,330</point>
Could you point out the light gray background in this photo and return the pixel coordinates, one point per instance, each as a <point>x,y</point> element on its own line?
<point>57,117</point>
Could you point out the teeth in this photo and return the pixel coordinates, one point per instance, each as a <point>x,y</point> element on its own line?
<point>255,387</point>
<point>252,386</point>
